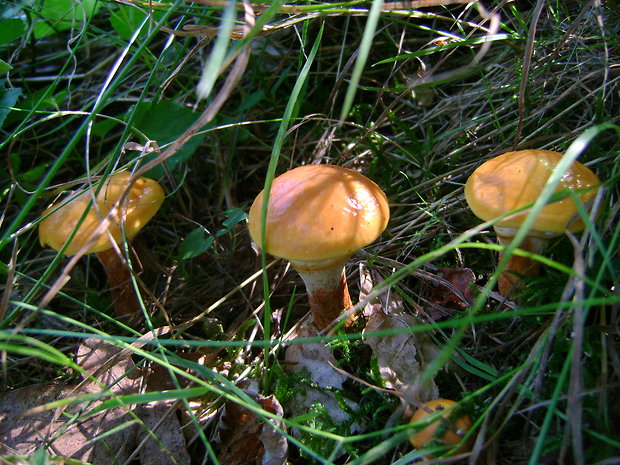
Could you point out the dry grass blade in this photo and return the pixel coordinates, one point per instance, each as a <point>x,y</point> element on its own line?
<point>576,384</point>
<point>527,63</point>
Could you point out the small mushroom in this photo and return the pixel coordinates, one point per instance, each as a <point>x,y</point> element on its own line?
<point>449,428</point>
<point>318,216</point>
<point>142,202</point>
<point>514,180</point>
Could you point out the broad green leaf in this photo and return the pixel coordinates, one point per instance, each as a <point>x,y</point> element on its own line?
<point>11,29</point>
<point>34,174</point>
<point>39,457</point>
<point>10,10</point>
<point>236,215</point>
<point>251,100</point>
<point>32,100</point>
<point>163,122</point>
<point>103,126</point>
<point>5,67</point>
<point>198,241</point>
<point>15,162</point>
<point>195,243</point>
<point>60,15</point>
<point>8,98</point>
<point>127,19</point>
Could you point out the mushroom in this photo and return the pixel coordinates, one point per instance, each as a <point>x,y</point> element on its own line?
<point>454,426</point>
<point>58,223</point>
<point>514,180</point>
<point>317,217</point>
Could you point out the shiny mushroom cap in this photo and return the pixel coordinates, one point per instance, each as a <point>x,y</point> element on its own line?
<point>515,179</point>
<point>320,213</point>
<point>437,432</point>
<point>144,199</point>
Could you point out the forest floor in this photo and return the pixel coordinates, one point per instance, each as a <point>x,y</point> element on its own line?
<point>218,360</point>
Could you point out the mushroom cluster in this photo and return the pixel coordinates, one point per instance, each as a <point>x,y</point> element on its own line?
<point>59,223</point>
<point>514,180</point>
<point>317,217</point>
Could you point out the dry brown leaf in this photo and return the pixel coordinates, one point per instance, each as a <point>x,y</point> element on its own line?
<point>26,425</point>
<point>108,365</point>
<point>402,357</point>
<point>170,446</point>
<point>22,434</point>
<point>247,440</point>
<point>450,292</point>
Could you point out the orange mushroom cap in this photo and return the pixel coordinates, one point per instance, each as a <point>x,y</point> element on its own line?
<point>437,430</point>
<point>144,199</point>
<point>516,179</point>
<point>320,213</point>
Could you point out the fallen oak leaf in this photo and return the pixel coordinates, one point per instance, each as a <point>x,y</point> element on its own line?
<point>159,378</point>
<point>402,358</point>
<point>22,433</point>
<point>105,363</point>
<point>315,357</point>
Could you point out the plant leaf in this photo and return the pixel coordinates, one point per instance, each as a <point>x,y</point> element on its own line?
<point>402,358</point>
<point>8,99</point>
<point>127,19</point>
<point>60,15</point>
<point>11,29</point>
<point>246,440</point>
<point>164,122</point>
<point>195,243</point>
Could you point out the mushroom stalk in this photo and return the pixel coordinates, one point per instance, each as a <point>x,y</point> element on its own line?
<point>518,266</point>
<point>125,300</point>
<point>327,288</point>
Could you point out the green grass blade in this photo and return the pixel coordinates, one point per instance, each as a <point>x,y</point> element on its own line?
<point>213,66</point>
<point>362,57</point>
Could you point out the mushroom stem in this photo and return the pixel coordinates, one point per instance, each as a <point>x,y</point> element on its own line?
<point>125,300</point>
<point>519,266</point>
<point>327,288</point>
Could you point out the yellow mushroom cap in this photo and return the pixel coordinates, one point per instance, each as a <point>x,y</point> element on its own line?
<point>144,199</point>
<point>437,430</point>
<point>320,212</point>
<point>515,179</point>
